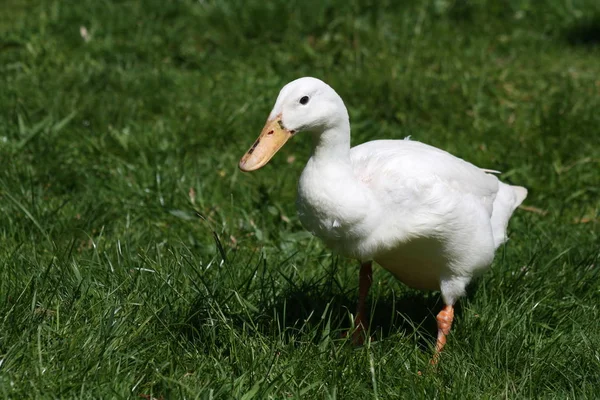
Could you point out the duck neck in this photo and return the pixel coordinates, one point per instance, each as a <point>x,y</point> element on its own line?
<point>333,144</point>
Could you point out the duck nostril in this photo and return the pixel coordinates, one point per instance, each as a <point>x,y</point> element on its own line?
<point>270,132</point>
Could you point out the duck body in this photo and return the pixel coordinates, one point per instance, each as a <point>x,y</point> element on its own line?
<point>421,213</point>
<point>432,219</point>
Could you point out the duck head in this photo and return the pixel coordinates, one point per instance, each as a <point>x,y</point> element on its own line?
<point>304,105</point>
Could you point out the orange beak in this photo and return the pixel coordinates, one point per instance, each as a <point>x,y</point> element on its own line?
<point>271,139</point>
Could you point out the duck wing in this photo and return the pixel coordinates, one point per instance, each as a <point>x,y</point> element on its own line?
<point>406,171</point>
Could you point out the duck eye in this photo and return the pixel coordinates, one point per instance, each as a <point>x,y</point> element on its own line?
<point>304,100</point>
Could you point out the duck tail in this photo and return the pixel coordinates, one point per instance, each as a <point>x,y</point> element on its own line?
<point>507,200</point>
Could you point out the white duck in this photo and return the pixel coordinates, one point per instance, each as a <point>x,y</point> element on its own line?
<point>428,217</point>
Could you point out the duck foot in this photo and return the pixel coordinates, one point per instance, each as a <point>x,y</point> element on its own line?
<point>359,334</point>
<point>361,322</point>
<point>444,322</point>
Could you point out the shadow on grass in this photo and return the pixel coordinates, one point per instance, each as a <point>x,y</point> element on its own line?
<point>585,32</point>
<point>308,312</point>
<point>411,314</point>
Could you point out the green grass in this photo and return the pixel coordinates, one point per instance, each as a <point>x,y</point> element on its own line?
<point>136,260</point>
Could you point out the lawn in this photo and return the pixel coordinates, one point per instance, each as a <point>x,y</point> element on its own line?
<point>137,261</point>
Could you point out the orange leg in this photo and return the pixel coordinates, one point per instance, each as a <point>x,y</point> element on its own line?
<point>444,323</point>
<point>361,322</point>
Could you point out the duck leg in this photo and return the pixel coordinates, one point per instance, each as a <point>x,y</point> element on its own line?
<point>361,321</point>
<point>444,323</point>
